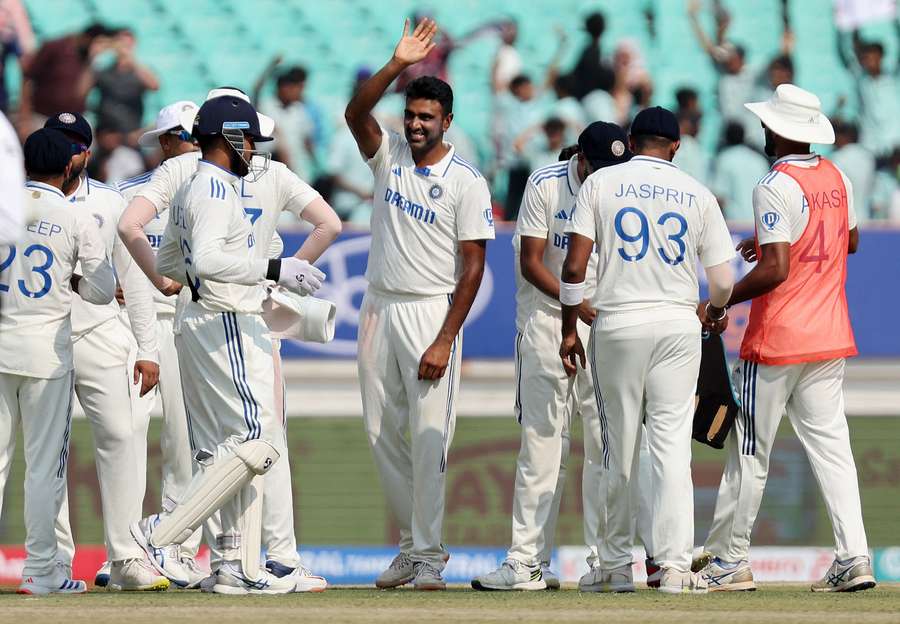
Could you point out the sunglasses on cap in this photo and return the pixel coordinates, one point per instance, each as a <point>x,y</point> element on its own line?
<point>79,148</point>
<point>183,135</point>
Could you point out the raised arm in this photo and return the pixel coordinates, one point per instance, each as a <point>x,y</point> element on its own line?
<point>702,38</point>
<point>411,49</point>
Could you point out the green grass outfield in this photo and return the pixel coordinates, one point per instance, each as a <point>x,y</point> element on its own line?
<point>773,603</point>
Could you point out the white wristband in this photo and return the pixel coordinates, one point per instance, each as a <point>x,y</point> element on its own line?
<point>571,294</point>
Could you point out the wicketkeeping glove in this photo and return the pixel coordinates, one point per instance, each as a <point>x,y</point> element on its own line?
<point>300,276</point>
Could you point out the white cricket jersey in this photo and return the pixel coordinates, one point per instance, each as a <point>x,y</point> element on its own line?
<point>547,204</point>
<point>12,176</point>
<point>419,217</point>
<point>209,244</point>
<point>780,209</point>
<point>652,223</point>
<point>35,291</point>
<point>279,189</point>
<point>106,205</point>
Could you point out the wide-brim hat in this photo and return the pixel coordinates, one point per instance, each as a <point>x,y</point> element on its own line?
<point>795,114</point>
<point>169,118</point>
<point>289,315</point>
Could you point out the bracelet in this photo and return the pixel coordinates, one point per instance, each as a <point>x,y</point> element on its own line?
<point>716,320</point>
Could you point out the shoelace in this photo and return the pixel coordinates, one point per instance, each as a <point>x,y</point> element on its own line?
<point>400,561</point>
<point>428,568</point>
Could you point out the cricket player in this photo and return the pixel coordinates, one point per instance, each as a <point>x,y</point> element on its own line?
<point>264,200</point>
<point>651,223</point>
<point>224,351</point>
<point>37,282</point>
<point>545,397</point>
<point>793,352</point>
<point>113,368</point>
<point>12,176</point>
<point>431,218</point>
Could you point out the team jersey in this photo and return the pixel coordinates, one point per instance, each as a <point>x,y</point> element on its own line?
<point>547,204</point>
<point>652,224</point>
<point>106,205</point>
<point>781,210</point>
<point>35,291</point>
<point>279,189</point>
<point>12,176</point>
<point>209,244</point>
<point>419,217</point>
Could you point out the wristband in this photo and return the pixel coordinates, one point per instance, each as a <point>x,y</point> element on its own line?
<point>715,320</point>
<point>273,270</point>
<point>571,294</point>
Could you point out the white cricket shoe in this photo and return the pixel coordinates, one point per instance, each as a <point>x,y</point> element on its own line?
<point>166,559</point>
<point>58,582</point>
<point>428,577</point>
<point>306,581</point>
<point>511,575</point>
<point>721,576</point>
<point>101,579</point>
<point>136,575</point>
<point>230,579</point>
<point>677,582</point>
<point>551,578</point>
<point>195,574</point>
<point>847,576</point>
<point>616,581</point>
<point>401,571</point>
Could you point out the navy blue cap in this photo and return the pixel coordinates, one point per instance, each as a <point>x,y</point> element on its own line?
<point>228,112</point>
<point>656,121</point>
<point>73,123</point>
<point>604,144</point>
<point>47,151</point>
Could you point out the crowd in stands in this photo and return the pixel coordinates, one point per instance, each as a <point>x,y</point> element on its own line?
<point>532,116</point>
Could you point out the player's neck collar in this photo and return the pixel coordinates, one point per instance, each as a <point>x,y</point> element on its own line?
<point>214,169</point>
<point>44,187</point>
<point>441,166</point>
<point>797,158</point>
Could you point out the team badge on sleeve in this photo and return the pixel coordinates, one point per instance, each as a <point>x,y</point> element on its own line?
<point>769,219</point>
<point>489,216</point>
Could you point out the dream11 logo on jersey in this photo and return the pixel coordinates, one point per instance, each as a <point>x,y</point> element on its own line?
<point>344,264</point>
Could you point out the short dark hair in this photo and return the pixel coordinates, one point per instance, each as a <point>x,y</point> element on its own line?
<point>685,95</point>
<point>734,133</point>
<point>554,124</point>
<point>205,141</point>
<point>518,81</point>
<point>740,51</point>
<point>649,141</point>
<point>873,46</point>
<point>595,24</point>
<point>564,83</point>
<point>431,88</point>
<point>782,62</point>
<point>293,75</point>
<point>569,151</point>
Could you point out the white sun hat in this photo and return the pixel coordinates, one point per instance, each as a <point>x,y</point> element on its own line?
<point>795,114</point>
<point>172,117</point>
<point>288,315</point>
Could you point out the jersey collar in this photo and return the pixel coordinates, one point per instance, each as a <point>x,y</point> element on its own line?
<point>572,175</point>
<point>654,159</point>
<point>216,171</point>
<point>81,191</point>
<point>440,167</point>
<point>801,158</point>
<point>44,187</point>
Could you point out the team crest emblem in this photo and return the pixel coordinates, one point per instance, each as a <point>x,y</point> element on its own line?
<point>435,192</point>
<point>489,216</point>
<point>769,219</point>
<point>617,148</point>
<point>35,194</point>
<point>99,219</point>
<point>66,118</point>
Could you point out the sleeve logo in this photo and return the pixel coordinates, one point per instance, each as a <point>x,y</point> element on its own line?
<point>769,219</point>
<point>489,216</point>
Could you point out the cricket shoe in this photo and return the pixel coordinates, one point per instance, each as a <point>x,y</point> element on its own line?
<point>428,577</point>
<point>654,573</point>
<point>722,576</point>
<point>306,581</point>
<point>401,571</point>
<point>136,575</point>
<point>101,579</point>
<point>57,582</point>
<point>677,582</point>
<point>207,584</point>
<point>230,579</point>
<point>701,561</point>
<point>512,575</point>
<point>847,576</point>
<point>195,574</point>
<point>551,578</point>
<point>166,560</point>
<point>616,581</point>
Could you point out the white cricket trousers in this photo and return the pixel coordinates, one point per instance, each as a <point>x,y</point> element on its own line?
<point>227,372</point>
<point>647,372</point>
<point>104,369</point>
<point>394,332</point>
<point>812,396</point>
<point>43,408</point>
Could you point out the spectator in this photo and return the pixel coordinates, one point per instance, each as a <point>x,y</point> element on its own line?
<point>112,159</point>
<point>886,194</point>
<point>688,101</point>
<point>591,71</point>
<point>857,163</point>
<point>122,87</point>
<point>507,62</point>
<point>878,92</point>
<point>16,39</point>
<point>58,77</point>
<point>736,170</point>
<point>549,144</point>
<point>567,107</point>
<point>633,86</point>
<point>691,157</point>
<point>294,126</point>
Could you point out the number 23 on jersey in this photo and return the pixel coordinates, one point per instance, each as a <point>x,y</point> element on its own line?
<point>41,260</point>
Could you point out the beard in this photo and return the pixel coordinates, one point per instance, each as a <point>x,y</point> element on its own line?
<point>770,144</point>
<point>238,166</point>
<point>74,173</point>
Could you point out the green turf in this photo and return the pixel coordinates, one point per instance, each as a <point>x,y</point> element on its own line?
<point>773,603</point>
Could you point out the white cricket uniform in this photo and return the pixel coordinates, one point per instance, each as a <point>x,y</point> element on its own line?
<point>811,394</point>
<point>12,176</point>
<point>105,353</point>
<point>419,217</point>
<point>652,224</point>
<point>36,362</point>
<point>224,347</point>
<point>278,190</point>
<point>546,399</point>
